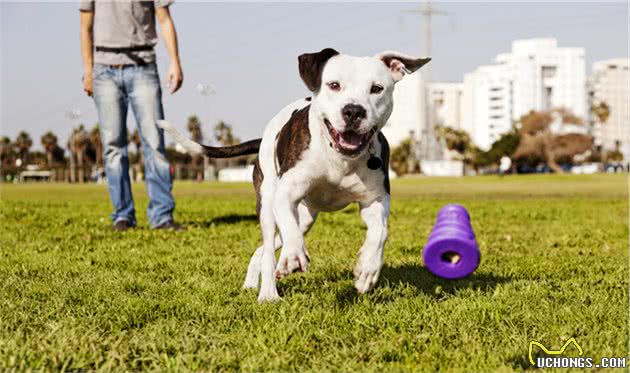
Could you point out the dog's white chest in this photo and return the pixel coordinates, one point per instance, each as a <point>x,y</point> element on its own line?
<point>327,195</point>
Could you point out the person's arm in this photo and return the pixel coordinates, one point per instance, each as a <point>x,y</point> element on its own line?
<point>87,52</point>
<point>175,75</point>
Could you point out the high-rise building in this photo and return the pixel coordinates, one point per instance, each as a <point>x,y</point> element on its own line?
<point>488,104</point>
<point>610,84</point>
<point>535,75</point>
<point>445,101</point>
<point>407,119</point>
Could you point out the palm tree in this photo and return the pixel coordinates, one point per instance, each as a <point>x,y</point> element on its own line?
<point>601,111</point>
<point>23,143</point>
<point>194,127</point>
<point>539,144</point>
<point>5,148</point>
<point>223,134</point>
<point>49,142</point>
<point>78,145</point>
<point>5,154</point>
<point>95,139</point>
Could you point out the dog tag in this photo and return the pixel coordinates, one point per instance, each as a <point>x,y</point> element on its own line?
<point>374,163</point>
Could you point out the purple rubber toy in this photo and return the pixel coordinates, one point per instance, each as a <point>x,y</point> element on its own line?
<point>451,251</point>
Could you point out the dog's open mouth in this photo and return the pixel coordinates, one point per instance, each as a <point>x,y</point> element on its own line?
<point>348,142</point>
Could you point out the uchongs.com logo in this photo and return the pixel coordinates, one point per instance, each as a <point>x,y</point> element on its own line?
<point>557,358</point>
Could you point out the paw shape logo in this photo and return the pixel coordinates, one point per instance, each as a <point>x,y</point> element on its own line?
<point>553,352</point>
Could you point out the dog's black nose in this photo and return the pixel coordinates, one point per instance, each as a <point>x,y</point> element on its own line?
<point>353,114</point>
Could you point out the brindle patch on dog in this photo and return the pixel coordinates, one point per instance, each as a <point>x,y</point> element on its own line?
<point>292,140</point>
<point>385,158</point>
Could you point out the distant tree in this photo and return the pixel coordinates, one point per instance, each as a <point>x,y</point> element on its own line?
<point>458,141</point>
<point>534,122</point>
<point>399,160</point>
<point>23,143</point>
<point>565,147</point>
<point>38,158</point>
<point>539,144</point>
<point>194,127</point>
<point>54,153</point>
<point>223,134</point>
<point>6,156</point>
<point>95,140</point>
<point>49,142</point>
<point>601,112</point>
<point>79,146</point>
<point>196,135</point>
<point>504,146</point>
<point>615,155</point>
<point>5,149</point>
<point>568,117</point>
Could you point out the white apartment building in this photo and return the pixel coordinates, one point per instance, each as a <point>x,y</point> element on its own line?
<point>408,118</point>
<point>535,75</point>
<point>488,104</point>
<point>610,83</point>
<point>445,103</point>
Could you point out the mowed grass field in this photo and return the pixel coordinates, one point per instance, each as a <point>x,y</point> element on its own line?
<point>76,295</point>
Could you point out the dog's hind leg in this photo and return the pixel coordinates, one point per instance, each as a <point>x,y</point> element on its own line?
<point>306,219</point>
<point>253,270</point>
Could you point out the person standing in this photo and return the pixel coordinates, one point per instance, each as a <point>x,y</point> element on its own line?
<point>120,71</point>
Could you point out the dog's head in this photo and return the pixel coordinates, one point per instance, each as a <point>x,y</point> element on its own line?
<point>353,96</point>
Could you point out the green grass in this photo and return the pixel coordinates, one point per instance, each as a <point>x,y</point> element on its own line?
<point>74,294</point>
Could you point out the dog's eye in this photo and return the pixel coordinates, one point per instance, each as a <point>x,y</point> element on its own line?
<point>375,89</point>
<point>334,86</point>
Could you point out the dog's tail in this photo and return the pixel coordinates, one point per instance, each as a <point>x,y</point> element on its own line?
<point>248,147</point>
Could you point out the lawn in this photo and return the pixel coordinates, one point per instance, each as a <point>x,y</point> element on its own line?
<point>76,295</point>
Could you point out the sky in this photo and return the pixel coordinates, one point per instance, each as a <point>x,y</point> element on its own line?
<point>248,52</point>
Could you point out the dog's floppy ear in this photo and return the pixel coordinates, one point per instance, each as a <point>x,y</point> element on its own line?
<point>311,66</point>
<point>400,64</point>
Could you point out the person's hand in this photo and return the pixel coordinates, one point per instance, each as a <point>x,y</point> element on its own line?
<point>88,83</point>
<point>175,77</point>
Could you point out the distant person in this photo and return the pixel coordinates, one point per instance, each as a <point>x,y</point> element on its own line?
<point>505,165</point>
<point>119,70</point>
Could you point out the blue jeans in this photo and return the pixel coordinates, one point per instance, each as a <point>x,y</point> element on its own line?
<point>114,89</point>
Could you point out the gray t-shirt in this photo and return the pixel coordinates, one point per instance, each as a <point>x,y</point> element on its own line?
<point>124,24</point>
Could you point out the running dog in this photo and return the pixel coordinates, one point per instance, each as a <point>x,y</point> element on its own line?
<point>321,154</point>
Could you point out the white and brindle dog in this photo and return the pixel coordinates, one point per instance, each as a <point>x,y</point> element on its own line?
<point>322,154</point>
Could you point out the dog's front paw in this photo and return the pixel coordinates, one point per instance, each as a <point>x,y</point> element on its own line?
<point>291,261</point>
<point>268,295</point>
<point>366,274</point>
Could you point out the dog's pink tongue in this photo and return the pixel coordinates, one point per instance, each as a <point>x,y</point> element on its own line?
<point>350,139</point>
